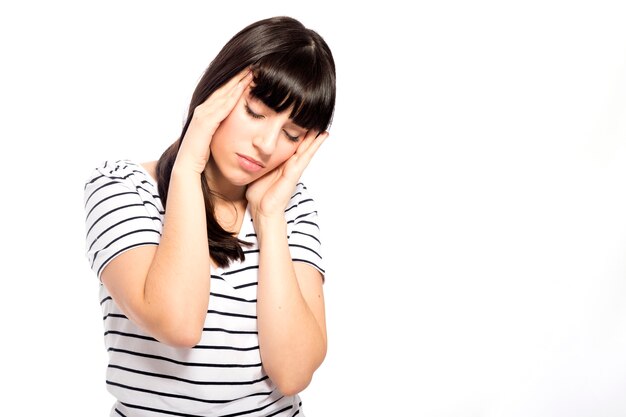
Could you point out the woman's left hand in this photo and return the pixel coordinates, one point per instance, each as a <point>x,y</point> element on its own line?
<point>269,195</point>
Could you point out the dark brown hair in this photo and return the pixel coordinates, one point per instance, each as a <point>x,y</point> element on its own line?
<point>293,68</point>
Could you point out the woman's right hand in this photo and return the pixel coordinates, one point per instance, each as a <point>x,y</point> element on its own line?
<point>195,150</point>
<point>164,289</point>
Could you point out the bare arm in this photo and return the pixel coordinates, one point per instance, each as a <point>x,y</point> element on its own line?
<point>290,302</point>
<point>290,309</point>
<point>165,289</point>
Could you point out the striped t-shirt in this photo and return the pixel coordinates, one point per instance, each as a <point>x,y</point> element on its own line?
<point>223,374</point>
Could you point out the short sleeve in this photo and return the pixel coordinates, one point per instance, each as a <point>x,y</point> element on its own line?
<point>122,211</point>
<point>304,229</point>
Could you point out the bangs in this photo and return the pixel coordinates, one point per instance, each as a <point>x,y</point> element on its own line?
<point>295,80</point>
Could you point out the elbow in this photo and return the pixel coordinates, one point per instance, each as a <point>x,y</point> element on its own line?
<point>182,339</point>
<point>179,334</point>
<point>293,379</point>
<point>292,385</point>
<point>172,324</point>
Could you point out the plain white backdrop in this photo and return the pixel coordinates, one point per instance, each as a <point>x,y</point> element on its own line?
<point>472,196</point>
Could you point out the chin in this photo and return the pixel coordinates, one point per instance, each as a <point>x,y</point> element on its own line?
<point>242,181</point>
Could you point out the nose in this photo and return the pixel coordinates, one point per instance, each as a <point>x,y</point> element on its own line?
<point>265,140</point>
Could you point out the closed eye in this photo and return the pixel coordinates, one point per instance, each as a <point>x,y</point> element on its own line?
<point>253,114</point>
<point>291,138</point>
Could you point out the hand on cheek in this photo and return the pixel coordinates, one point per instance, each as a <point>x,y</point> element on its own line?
<point>269,195</point>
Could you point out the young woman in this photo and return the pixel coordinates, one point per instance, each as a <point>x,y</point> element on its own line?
<point>209,258</point>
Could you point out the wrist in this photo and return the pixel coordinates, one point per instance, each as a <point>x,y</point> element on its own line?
<point>265,224</point>
<point>187,168</point>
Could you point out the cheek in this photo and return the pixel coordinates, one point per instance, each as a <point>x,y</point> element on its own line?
<point>229,130</point>
<point>283,152</point>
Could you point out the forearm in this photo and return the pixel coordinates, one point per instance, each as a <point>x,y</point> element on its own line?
<point>177,285</point>
<point>292,341</point>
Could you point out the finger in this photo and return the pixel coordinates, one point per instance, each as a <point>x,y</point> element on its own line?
<point>245,74</point>
<point>236,90</point>
<point>316,139</point>
<point>309,138</point>
<point>240,77</point>
<point>316,143</point>
<point>235,85</point>
<point>244,79</point>
<point>307,154</point>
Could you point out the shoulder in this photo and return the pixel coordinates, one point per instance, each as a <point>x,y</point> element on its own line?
<point>301,212</point>
<point>301,199</point>
<point>301,206</point>
<point>122,210</point>
<point>122,170</point>
<point>116,185</point>
<point>117,174</point>
<point>303,229</point>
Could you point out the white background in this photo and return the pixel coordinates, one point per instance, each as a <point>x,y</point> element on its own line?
<point>472,194</point>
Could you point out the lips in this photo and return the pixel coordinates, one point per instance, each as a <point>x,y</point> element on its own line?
<point>249,164</point>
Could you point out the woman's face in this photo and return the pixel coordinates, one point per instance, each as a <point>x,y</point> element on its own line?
<point>250,142</point>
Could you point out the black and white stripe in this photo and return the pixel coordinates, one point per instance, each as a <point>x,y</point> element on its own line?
<point>223,374</point>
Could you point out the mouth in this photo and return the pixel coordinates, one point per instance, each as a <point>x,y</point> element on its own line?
<point>249,164</point>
